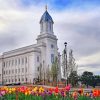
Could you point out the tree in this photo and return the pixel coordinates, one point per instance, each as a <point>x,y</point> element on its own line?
<point>71,62</point>
<point>48,74</point>
<point>71,66</point>
<point>54,70</point>
<point>87,78</point>
<point>73,78</point>
<point>65,67</point>
<point>97,80</point>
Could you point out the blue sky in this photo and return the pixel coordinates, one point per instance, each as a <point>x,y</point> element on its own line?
<point>75,21</point>
<point>62,4</point>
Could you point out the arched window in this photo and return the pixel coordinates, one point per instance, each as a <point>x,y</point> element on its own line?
<point>46,26</point>
<point>50,26</point>
<point>37,58</point>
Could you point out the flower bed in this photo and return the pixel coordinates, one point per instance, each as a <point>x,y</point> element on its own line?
<point>40,93</point>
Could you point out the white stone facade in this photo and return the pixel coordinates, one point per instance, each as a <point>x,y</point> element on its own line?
<point>21,65</point>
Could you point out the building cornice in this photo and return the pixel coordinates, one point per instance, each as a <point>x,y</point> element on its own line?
<point>51,36</point>
<point>23,50</point>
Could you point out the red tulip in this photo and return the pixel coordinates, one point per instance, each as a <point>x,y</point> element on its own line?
<point>95,93</point>
<point>56,90</point>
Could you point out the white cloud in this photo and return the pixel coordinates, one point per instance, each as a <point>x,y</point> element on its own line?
<point>88,68</point>
<point>91,59</point>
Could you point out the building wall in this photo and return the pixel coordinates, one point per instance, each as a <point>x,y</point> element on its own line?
<point>18,67</point>
<point>15,68</point>
<point>50,40</point>
<point>34,63</point>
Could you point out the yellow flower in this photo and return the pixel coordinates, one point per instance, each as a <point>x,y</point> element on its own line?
<point>10,92</point>
<point>26,93</point>
<point>35,89</point>
<point>41,89</point>
<point>13,89</point>
<point>29,92</point>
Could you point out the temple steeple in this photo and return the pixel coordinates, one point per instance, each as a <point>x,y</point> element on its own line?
<point>46,23</point>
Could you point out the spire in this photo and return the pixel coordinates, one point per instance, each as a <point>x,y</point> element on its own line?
<point>46,22</point>
<point>46,16</point>
<point>46,7</point>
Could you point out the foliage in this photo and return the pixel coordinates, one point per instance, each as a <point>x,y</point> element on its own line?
<point>73,78</point>
<point>48,74</point>
<point>54,70</point>
<point>96,80</point>
<point>69,70</point>
<point>88,78</point>
<point>71,62</point>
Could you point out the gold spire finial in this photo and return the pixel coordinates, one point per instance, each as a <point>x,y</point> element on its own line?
<point>46,7</point>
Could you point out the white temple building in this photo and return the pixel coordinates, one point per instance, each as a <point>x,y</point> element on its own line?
<point>22,65</point>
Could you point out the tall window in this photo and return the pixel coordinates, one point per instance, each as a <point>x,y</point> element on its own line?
<point>9,63</point>
<point>52,46</point>
<point>12,62</point>
<point>9,71</point>
<point>46,26</point>
<point>22,61</point>
<point>26,69</point>
<point>15,70</point>
<point>52,58</point>
<point>4,72</point>
<point>19,70</point>
<point>37,68</point>
<point>22,70</point>
<point>37,58</point>
<point>16,62</point>
<point>50,26</point>
<point>26,79</point>
<point>22,79</point>
<point>26,60</point>
<point>19,79</point>
<point>4,64</point>
<point>19,61</point>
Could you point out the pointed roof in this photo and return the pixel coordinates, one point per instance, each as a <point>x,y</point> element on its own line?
<point>46,17</point>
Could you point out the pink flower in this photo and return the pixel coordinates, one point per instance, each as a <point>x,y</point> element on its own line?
<point>3,93</point>
<point>67,88</point>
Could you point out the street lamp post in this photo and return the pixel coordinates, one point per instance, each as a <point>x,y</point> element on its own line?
<point>66,67</point>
